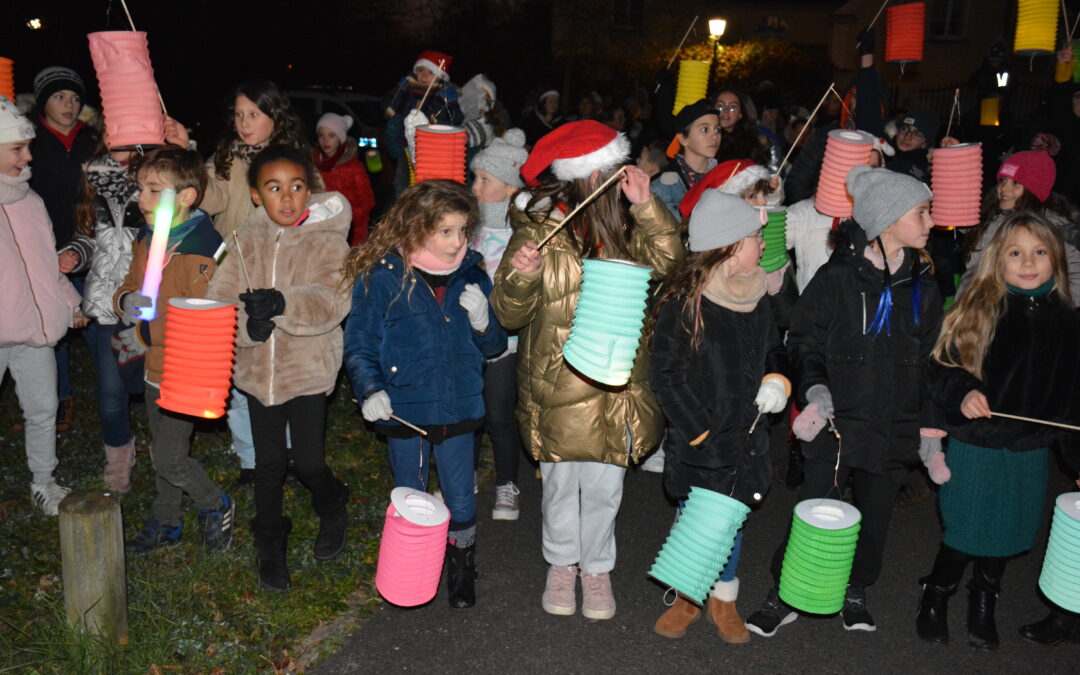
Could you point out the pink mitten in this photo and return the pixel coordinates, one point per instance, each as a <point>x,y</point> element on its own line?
<point>808,424</point>
<point>939,471</point>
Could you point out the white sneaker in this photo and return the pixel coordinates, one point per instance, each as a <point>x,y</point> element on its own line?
<point>48,496</point>
<point>597,600</point>
<point>506,502</point>
<point>655,462</point>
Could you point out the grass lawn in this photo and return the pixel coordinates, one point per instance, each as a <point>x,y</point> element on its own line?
<point>188,611</point>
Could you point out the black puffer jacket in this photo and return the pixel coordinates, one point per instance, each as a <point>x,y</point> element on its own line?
<point>1032,368</point>
<point>57,175</point>
<point>712,389</point>
<point>877,381</point>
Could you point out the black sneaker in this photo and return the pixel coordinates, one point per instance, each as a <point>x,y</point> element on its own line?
<point>774,613</point>
<point>217,525</point>
<point>856,616</point>
<point>154,534</point>
<point>246,477</point>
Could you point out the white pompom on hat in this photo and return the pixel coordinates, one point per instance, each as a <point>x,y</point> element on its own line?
<point>575,150</point>
<point>14,127</point>
<point>339,124</point>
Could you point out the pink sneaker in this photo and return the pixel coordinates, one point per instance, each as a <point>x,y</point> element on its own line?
<point>597,601</point>
<point>560,593</point>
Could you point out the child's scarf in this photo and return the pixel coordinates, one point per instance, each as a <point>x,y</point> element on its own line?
<point>427,261</point>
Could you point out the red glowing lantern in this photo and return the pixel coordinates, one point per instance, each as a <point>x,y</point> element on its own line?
<point>199,341</point>
<point>129,98</point>
<point>7,78</point>
<point>843,150</point>
<point>906,32</point>
<point>440,152</point>
<point>956,177</point>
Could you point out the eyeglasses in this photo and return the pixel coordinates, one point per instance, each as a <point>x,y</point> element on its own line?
<point>911,131</point>
<point>759,236</point>
<point>734,107</point>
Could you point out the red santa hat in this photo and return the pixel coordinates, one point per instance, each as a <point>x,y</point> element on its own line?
<point>731,177</point>
<point>430,60</point>
<point>575,150</point>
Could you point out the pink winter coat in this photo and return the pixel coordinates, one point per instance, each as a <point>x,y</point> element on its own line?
<point>37,302</point>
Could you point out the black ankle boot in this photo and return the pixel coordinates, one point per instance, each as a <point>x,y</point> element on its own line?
<point>333,522</point>
<point>931,622</point>
<point>461,576</point>
<point>1057,626</point>
<point>982,598</point>
<point>271,540</point>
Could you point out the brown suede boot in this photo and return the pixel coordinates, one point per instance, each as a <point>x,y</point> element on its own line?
<point>724,615</point>
<point>673,622</point>
<point>118,463</point>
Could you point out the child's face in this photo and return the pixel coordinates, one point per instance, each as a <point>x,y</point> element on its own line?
<point>755,196</point>
<point>448,238</point>
<point>551,105</point>
<point>730,109</point>
<point>645,163</point>
<point>282,187</point>
<point>488,188</point>
<point>151,183</point>
<point>62,110</point>
<point>704,136</point>
<point>913,228</point>
<point>252,125</point>
<point>747,255</point>
<point>14,157</point>
<point>328,141</point>
<point>424,76</point>
<point>1026,261</point>
<point>1008,191</point>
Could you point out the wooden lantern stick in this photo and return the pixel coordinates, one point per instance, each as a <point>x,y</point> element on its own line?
<point>1065,23</point>
<point>132,24</point>
<point>806,126</point>
<point>677,50</point>
<point>732,175</point>
<point>1035,421</point>
<point>953,109</point>
<point>588,200</point>
<point>411,426</point>
<point>880,10</point>
<point>243,265</point>
<point>431,84</point>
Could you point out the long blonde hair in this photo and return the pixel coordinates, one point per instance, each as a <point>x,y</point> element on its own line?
<point>969,326</point>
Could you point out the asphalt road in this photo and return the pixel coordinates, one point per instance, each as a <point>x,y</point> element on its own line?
<point>508,632</point>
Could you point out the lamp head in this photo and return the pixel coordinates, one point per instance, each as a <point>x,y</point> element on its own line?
<point>717,27</point>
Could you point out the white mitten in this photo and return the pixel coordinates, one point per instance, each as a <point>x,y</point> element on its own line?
<point>476,305</point>
<point>771,396</point>
<point>414,119</point>
<point>377,407</point>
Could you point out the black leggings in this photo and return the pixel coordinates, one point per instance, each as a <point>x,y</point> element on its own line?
<point>500,400</point>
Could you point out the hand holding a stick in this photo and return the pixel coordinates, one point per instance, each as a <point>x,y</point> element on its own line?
<point>526,259</point>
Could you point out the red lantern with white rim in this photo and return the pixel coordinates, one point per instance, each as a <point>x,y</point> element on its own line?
<point>7,78</point>
<point>440,152</point>
<point>905,34</point>
<point>199,340</point>
<point>956,178</point>
<point>844,150</point>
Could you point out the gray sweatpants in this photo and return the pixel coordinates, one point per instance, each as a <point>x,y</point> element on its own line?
<point>34,370</point>
<point>581,500</point>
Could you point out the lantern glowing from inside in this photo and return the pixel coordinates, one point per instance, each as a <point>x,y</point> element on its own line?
<point>129,94</point>
<point>412,548</point>
<point>844,150</point>
<point>1060,578</point>
<point>956,178</point>
<point>775,233</point>
<point>155,259</point>
<point>1036,27</point>
<point>905,33</point>
<point>7,79</point>
<point>608,318</point>
<point>820,551</point>
<point>199,339</point>
<point>692,84</point>
<point>440,152</point>
<point>990,112</point>
<point>700,543</point>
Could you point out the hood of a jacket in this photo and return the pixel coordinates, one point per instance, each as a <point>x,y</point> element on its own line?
<point>849,241</point>
<point>328,211</point>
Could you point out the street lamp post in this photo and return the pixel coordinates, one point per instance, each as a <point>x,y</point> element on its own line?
<point>716,31</point>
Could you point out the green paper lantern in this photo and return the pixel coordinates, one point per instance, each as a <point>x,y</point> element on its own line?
<point>700,543</point>
<point>608,318</point>
<point>775,234</point>
<point>820,551</point>
<point>1060,578</point>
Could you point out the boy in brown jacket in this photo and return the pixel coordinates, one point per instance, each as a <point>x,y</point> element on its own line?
<point>189,263</point>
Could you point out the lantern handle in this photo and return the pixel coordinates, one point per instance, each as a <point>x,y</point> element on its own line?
<point>678,49</point>
<point>243,265</point>
<point>953,109</point>
<point>588,200</point>
<point>806,126</point>
<point>882,9</point>
<point>411,426</point>
<point>1035,421</point>
<point>431,84</point>
<point>132,24</point>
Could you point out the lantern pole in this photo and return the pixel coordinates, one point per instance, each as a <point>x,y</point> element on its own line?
<point>806,126</point>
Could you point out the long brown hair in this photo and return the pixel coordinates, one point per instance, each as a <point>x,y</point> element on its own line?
<point>1027,201</point>
<point>969,326</point>
<point>405,226</point>
<point>687,282</point>
<point>268,98</point>
<point>601,226</point>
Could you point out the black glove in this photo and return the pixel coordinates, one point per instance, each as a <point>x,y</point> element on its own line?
<point>259,330</point>
<point>865,41</point>
<point>263,303</point>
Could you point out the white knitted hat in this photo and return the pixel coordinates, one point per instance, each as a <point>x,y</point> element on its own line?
<point>13,126</point>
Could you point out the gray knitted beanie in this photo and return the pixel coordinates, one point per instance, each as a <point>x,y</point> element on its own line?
<point>881,197</point>
<point>503,158</point>
<point>720,219</point>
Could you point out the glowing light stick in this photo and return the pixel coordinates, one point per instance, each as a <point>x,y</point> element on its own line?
<point>155,261</point>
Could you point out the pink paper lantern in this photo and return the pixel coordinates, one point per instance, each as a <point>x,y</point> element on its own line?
<point>129,95</point>
<point>956,178</point>
<point>413,547</point>
<point>843,150</point>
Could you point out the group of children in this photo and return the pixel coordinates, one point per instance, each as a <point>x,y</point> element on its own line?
<point>452,310</point>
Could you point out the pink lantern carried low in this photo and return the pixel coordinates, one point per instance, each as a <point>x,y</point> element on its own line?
<point>956,178</point>
<point>7,78</point>
<point>440,152</point>
<point>199,339</point>
<point>129,94</point>
<point>413,547</point>
<point>905,33</point>
<point>844,150</point>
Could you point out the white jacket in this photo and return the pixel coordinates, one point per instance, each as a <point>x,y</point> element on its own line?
<point>808,234</point>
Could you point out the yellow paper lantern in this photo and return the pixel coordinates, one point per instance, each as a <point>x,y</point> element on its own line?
<point>990,112</point>
<point>692,84</point>
<point>1036,27</point>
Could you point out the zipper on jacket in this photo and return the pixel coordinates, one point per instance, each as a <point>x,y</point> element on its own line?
<point>863,294</point>
<point>273,344</point>
<point>26,271</point>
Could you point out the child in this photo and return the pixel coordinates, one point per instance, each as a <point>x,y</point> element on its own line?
<point>692,151</point>
<point>289,344</point>
<point>498,178</point>
<point>1008,345</point>
<point>342,171</point>
<point>415,344</point>
<point>712,394</point>
<point>186,274</point>
<point>860,334</point>
<point>38,304</point>
<point>1025,180</point>
<point>652,159</point>
<point>583,433</point>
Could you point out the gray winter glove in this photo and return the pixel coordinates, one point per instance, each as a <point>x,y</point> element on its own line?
<point>132,302</point>
<point>377,407</point>
<point>476,304</point>
<point>131,341</point>
<point>820,396</point>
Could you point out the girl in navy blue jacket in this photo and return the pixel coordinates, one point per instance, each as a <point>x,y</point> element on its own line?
<point>416,340</point>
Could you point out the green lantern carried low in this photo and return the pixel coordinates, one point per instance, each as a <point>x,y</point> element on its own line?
<point>819,555</point>
<point>775,234</point>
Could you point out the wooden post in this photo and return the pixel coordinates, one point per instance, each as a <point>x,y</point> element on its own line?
<point>92,551</point>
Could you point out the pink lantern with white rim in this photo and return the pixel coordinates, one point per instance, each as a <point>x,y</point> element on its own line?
<point>844,150</point>
<point>413,547</point>
<point>129,94</point>
<point>956,178</point>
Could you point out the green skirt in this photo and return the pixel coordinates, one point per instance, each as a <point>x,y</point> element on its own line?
<point>993,505</point>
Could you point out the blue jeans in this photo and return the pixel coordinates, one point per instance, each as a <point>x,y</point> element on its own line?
<point>240,427</point>
<point>112,394</point>
<point>410,459</point>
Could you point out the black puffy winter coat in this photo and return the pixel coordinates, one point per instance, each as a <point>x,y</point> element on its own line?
<point>58,174</point>
<point>712,389</point>
<point>877,381</point>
